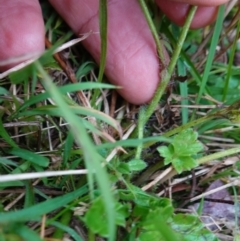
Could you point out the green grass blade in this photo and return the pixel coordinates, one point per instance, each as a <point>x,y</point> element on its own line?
<point>36,211</point>
<point>103,18</point>
<point>91,157</point>
<point>29,195</point>
<point>68,230</point>
<point>70,88</point>
<point>183,92</point>
<point>5,135</point>
<point>27,234</point>
<point>134,142</point>
<point>30,156</point>
<point>67,148</point>
<point>64,222</point>
<point>212,50</point>
<point>230,62</point>
<point>76,110</point>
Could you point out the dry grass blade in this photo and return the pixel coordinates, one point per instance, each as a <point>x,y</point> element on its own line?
<point>27,176</point>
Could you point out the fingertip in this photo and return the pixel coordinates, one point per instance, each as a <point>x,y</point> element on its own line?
<point>132,62</point>
<point>177,12</point>
<point>201,2</point>
<point>21,31</point>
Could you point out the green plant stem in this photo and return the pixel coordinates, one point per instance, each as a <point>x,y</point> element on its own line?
<point>140,133</point>
<point>103,20</point>
<point>151,26</point>
<point>166,72</point>
<point>91,157</point>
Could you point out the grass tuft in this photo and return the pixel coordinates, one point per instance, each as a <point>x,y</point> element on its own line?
<point>79,163</point>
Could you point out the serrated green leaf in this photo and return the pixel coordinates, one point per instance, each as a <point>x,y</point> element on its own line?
<point>93,216</point>
<point>140,211</point>
<point>188,163</point>
<point>140,197</point>
<point>167,153</point>
<point>156,220</point>
<point>186,143</point>
<point>136,165</point>
<point>177,163</point>
<point>183,163</point>
<point>181,150</point>
<point>122,214</point>
<point>96,214</point>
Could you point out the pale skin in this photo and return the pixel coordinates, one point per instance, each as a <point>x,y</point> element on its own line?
<point>132,61</point>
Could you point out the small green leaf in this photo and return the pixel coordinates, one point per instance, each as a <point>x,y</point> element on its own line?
<point>140,211</point>
<point>181,151</point>
<point>186,143</point>
<point>96,215</point>
<point>123,168</point>
<point>156,221</point>
<point>177,163</point>
<point>136,165</point>
<point>184,163</point>
<point>166,153</point>
<point>122,214</point>
<point>188,163</point>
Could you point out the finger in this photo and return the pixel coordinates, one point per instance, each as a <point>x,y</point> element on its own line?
<point>177,12</point>
<point>21,29</point>
<point>202,2</point>
<point>132,60</point>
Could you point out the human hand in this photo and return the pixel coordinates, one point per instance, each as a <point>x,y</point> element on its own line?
<point>132,60</point>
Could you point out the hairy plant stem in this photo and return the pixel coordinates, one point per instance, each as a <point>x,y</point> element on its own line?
<point>140,133</point>
<point>151,26</point>
<point>166,73</point>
